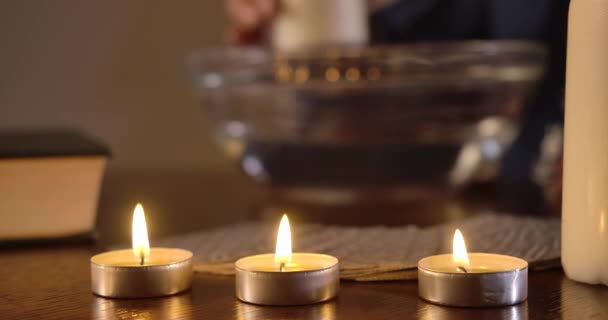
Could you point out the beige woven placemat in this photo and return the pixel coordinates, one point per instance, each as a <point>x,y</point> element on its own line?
<point>378,253</point>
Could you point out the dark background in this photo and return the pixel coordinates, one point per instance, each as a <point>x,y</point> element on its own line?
<point>115,69</point>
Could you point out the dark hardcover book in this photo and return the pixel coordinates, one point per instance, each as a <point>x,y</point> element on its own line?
<point>49,183</point>
<point>49,143</point>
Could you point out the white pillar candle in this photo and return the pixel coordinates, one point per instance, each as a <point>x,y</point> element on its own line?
<point>585,197</point>
<point>316,23</point>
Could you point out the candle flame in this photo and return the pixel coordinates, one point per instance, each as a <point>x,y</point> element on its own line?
<point>460,256</point>
<point>282,254</point>
<point>141,245</point>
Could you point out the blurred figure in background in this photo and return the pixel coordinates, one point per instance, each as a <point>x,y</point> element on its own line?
<point>402,21</point>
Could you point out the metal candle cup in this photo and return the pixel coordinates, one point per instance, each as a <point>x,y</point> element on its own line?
<point>141,272</point>
<point>116,274</point>
<point>492,280</point>
<point>286,278</point>
<point>310,278</point>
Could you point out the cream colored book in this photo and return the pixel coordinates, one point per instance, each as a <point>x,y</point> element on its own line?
<point>49,184</point>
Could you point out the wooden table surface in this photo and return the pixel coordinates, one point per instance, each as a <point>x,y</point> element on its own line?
<point>53,282</point>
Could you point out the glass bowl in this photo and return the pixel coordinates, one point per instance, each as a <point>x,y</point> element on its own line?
<point>341,125</point>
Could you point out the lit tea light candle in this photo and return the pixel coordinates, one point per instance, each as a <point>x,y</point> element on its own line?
<point>472,279</point>
<point>286,278</point>
<point>142,271</point>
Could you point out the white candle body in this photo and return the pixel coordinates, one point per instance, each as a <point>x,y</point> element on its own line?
<point>299,262</point>
<point>492,280</point>
<point>308,278</point>
<point>118,274</point>
<point>585,195</point>
<point>315,23</point>
<point>480,263</point>
<point>126,258</point>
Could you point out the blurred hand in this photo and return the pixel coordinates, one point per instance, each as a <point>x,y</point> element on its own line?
<point>248,18</point>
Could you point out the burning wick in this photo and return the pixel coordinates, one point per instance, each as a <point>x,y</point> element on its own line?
<point>460,255</point>
<point>463,269</point>
<point>282,254</point>
<point>141,245</point>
